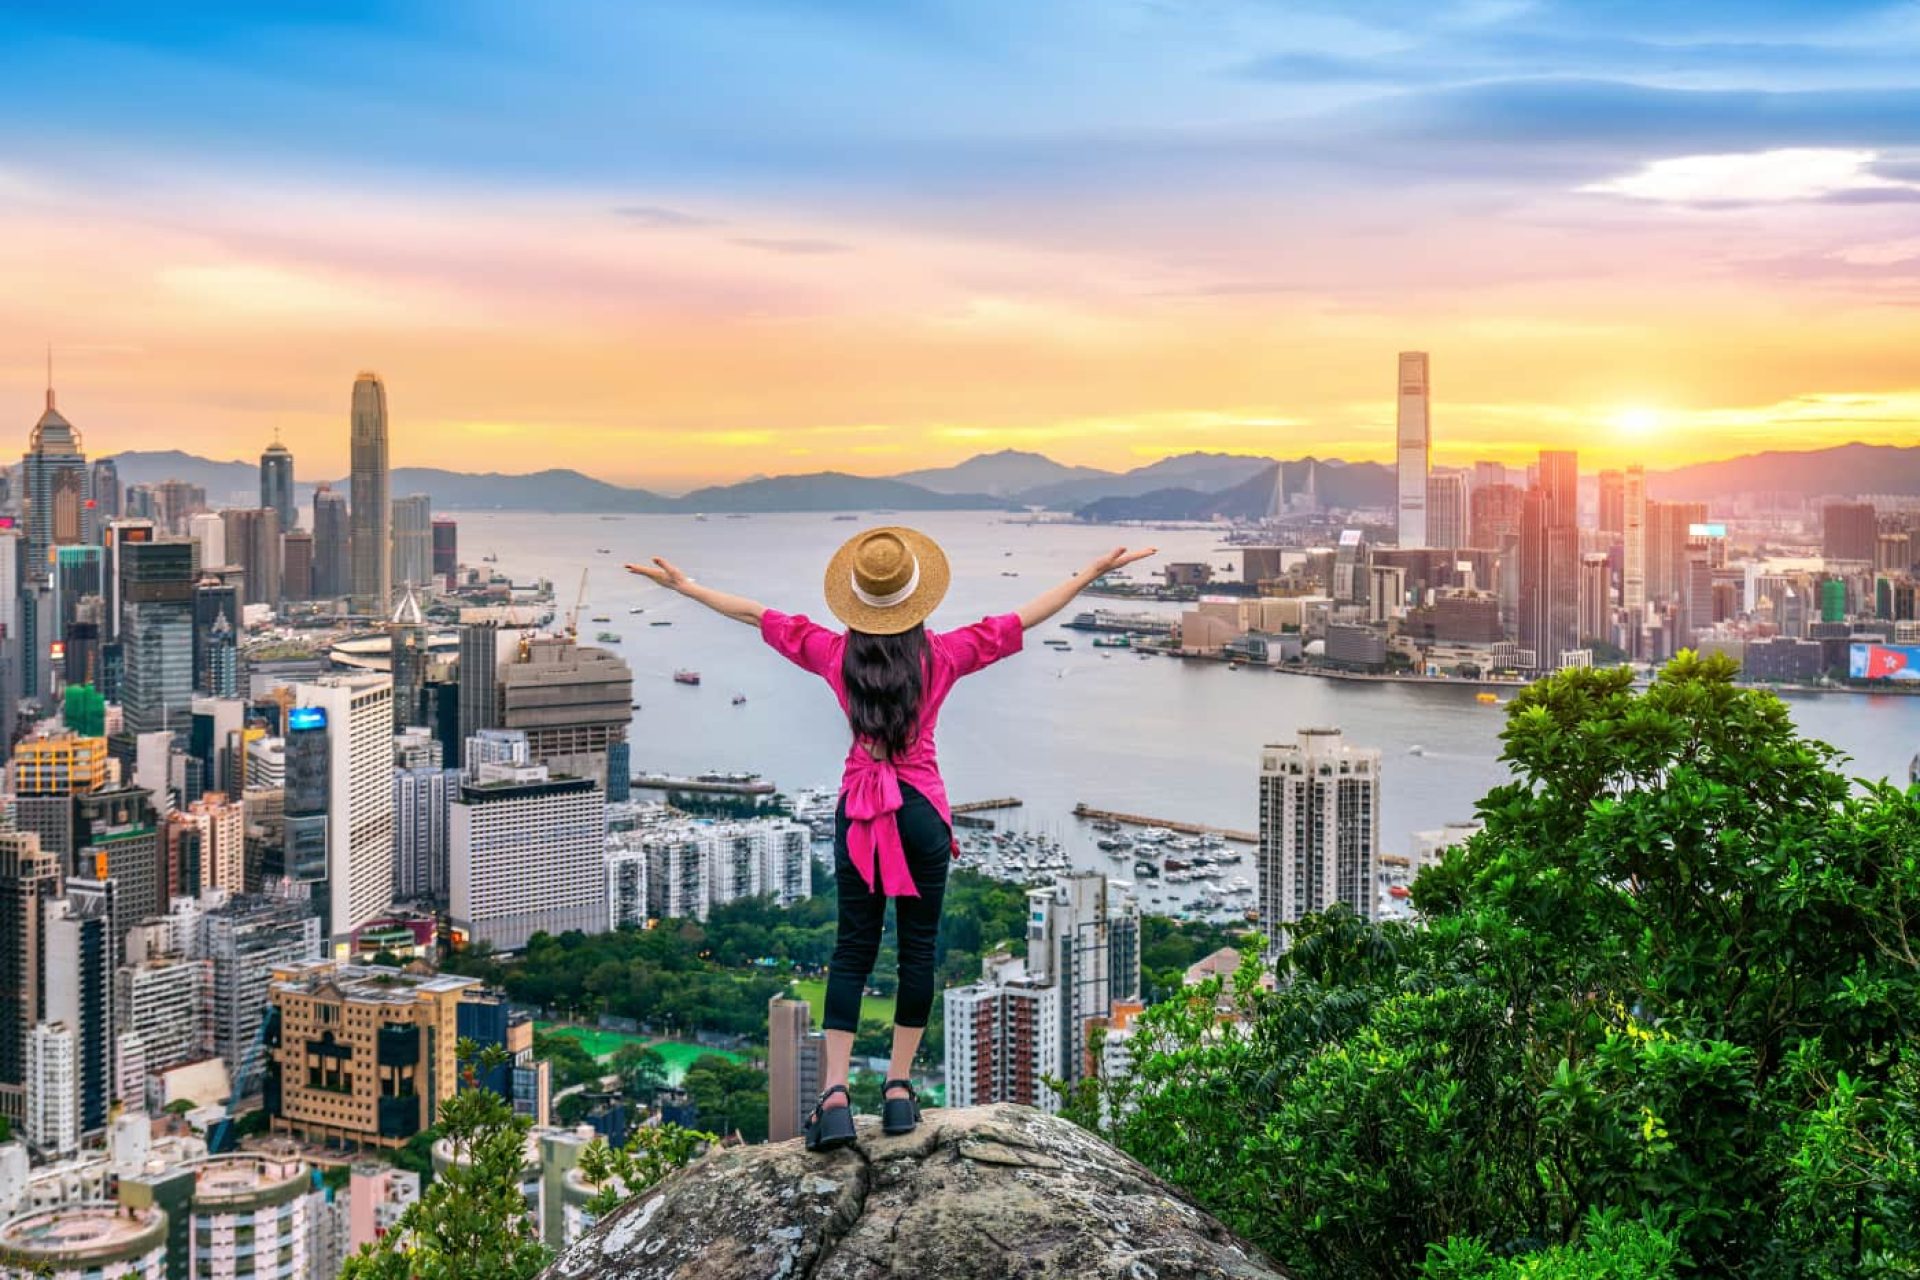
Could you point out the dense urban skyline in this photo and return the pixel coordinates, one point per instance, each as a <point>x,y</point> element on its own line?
<point>671,246</point>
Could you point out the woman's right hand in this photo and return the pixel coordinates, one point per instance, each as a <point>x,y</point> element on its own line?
<point>662,572</point>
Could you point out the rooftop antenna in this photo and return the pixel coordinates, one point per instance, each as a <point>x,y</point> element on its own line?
<point>49,375</point>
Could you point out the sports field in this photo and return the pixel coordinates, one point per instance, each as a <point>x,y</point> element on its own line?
<point>872,1008</point>
<point>604,1044</point>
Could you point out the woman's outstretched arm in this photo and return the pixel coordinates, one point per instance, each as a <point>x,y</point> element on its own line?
<point>1054,599</point>
<point>739,608</point>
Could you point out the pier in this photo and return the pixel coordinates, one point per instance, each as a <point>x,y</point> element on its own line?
<point>708,784</point>
<point>1085,810</point>
<point>985,806</point>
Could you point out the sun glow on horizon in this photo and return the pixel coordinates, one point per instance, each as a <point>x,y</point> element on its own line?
<point>1637,421</point>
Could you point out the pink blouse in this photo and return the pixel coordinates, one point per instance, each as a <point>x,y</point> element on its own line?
<point>872,787</point>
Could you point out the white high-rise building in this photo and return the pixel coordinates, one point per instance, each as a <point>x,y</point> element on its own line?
<point>165,1001</point>
<point>1003,1037</point>
<point>359,722</point>
<point>750,859</point>
<point>1633,538</point>
<point>682,869</point>
<point>627,887</point>
<point>1319,829</point>
<point>82,945</point>
<point>1083,937</point>
<point>1415,448</point>
<point>209,529</point>
<point>53,1116</point>
<point>525,855</point>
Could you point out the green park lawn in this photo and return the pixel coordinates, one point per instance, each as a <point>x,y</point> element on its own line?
<point>604,1044</point>
<point>872,1008</point>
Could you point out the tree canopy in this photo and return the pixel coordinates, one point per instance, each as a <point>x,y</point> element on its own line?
<point>1659,1019</point>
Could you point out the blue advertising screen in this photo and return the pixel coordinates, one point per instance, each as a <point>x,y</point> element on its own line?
<point>299,718</point>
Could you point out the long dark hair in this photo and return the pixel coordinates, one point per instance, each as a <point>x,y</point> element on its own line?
<point>886,677</point>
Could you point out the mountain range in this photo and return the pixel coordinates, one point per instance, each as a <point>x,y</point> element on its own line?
<point>1191,486</point>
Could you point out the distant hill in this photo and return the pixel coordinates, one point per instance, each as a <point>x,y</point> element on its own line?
<point>1000,475</point>
<point>1844,469</point>
<point>1336,484</point>
<point>552,490</point>
<point>221,480</point>
<point>1201,472</point>
<point>831,491</point>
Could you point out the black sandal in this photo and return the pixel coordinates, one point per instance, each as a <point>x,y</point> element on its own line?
<point>899,1115</point>
<point>830,1128</point>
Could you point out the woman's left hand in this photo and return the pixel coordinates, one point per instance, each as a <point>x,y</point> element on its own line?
<point>1120,558</point>
<point>662,572</point>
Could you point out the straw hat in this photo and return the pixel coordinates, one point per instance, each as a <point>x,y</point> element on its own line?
<point>886,580</point>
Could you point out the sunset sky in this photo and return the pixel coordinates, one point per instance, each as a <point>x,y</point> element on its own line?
<point>675,243</point>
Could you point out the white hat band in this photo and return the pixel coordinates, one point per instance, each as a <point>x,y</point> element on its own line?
<point>892,598</point>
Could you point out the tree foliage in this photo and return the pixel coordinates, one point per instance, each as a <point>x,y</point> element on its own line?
<point>1660,1018</point>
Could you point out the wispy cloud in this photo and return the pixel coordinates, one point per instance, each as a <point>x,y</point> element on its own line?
<point>654,215</point>
<point>1764,177</point>
<point>797,245</point>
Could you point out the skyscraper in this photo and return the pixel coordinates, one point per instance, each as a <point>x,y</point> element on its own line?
<point>253,543</point>
<point>524,855</point>
<point>1447,510</point>
<point>1415,448</point>
<point>216,629</point>
<point>57,483</point>
<point>1613,502</point>
<point>332,563</point>
<point>1319,829</point>
<point>412,540</point>
<point>1596,597</point>
<point>82,951</point>
<point>358,717</point>
<point>446,550</point>
<point>479,681</point>
<point>795,1056</point>
<point>1848,531</point>
<point>1549,599</point>
<point>1083,936</point>
<point>574,702</point>
<point>1633,541</point>
<point>156,592</point>
<point>276,484</point>
<point>407,658</point>
<point>296,565</point>
<point>29,880</point>
<point>106,491</point>
<point>370,541</point>
<point>420,796</point>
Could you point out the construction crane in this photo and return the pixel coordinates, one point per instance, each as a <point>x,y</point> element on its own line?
<point>579,603</point>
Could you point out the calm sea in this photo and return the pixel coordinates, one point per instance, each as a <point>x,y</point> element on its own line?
<point>1157,736</point>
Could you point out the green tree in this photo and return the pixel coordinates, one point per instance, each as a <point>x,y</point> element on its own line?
<point>729,1096</point>
<point>641,1069</point>
<point>472,1223</point>
<point>650,1154</point>
<point>1662,1010</point>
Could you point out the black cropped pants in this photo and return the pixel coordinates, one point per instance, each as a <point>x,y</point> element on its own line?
<point>863,917</point>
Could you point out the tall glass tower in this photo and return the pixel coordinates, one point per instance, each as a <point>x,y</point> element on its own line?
<point>371,518</point>
<point>276,484</point>
<point>58,488</point>
<point>1414,448</point>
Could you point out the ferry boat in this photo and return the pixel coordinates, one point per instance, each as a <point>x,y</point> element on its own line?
<point>607,637</point>
<point>685,676</point>
<point>1112,642</point>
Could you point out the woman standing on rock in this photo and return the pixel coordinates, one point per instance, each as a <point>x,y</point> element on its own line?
<point>893,834</point>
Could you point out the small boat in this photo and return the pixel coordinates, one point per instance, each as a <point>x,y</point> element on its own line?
<point>490,558</point>
<point>686,676</point>
<point>661,622</point>
<point>1416,750</point>
<point>608,637</point>
<point>846,517</point>
<point>638,609</point>
<point>1486,698</point>
<point>601,617</point>
<point>636,706</point>
<point>739,698</point>
<point>699,515</point>
<point>605,551</point>
<point>1008,573</point>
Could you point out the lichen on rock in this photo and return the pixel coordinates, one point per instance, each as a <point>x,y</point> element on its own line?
<point>985,1193</point>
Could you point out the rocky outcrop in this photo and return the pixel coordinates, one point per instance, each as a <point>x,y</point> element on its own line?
<point>984,1193</point>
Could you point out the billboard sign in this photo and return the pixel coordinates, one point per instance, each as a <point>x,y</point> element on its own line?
<point>1712,530</point>
<point>1883,662</point>
<point>299,718</point>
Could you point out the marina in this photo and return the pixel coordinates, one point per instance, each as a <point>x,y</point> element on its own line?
<point>725,784</point>
<point>1084,810</point>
